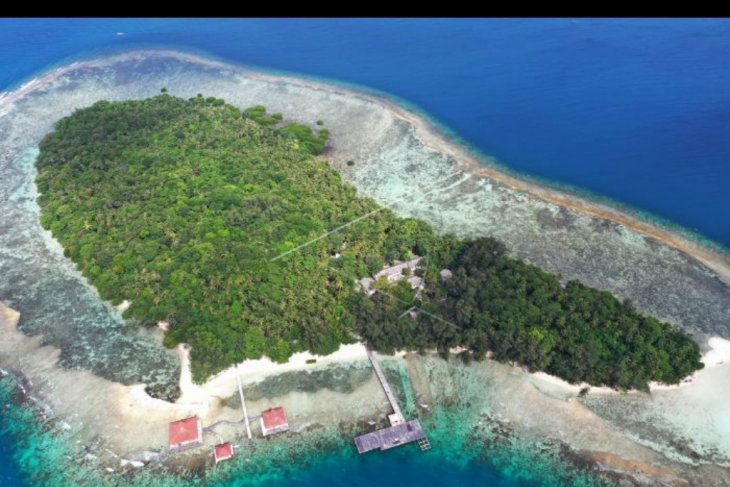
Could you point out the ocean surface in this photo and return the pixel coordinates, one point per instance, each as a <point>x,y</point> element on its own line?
<point>637,111</point>
<point>634,110</point>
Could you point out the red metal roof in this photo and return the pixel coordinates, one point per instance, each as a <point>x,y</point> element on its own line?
<point>185,431</point>
<point>274,417</point>
<point>224,451</point>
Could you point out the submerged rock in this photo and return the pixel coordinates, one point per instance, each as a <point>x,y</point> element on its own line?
<point>145,457</point>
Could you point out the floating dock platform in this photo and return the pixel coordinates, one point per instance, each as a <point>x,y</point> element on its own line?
<point>388,438</point>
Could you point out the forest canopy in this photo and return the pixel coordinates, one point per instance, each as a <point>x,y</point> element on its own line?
<point>189,209</point>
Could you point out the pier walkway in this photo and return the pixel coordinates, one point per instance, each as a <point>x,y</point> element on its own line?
<point>400,431</point>
<point>249,419</point>
<point>246,420</point>
<point>397,414</point>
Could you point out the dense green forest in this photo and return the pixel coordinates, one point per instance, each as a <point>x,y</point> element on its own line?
<point>185,207</point>
<point>523,314</point>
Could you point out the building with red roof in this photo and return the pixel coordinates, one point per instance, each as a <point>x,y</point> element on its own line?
<point>186,433</point>
<point>274,421</point>
<point>224,451</point>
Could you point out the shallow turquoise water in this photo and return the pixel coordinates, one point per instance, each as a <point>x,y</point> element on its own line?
<point>460,456</point>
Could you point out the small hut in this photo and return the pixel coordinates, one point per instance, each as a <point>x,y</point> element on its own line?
<point>274,421</point>
<point>186,433</point>
<point>224,451</point>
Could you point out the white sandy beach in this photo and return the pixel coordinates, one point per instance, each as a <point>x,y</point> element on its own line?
<point>130,420</point>
<point>224,384</point>
<point>718,355</point>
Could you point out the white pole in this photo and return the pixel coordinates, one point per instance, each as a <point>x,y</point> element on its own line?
<point>243,403</point>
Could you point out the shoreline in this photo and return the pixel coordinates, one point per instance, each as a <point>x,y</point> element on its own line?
<point>132,425</point>
<point>712,258</point>
<point>130,420</point>
<point>430,135</point>
<point>224,383</point>
<point>717,356</point>
<point>128,416</point>
<point>434,138</point>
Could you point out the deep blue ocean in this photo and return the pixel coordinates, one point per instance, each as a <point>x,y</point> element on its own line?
<point>634,110</point>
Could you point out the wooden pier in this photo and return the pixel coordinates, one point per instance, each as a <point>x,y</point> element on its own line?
<point>400,432</point>
<point>397,414</point>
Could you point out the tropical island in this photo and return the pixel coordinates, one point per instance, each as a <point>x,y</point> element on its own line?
<point>220,223</point>
<point>62,342</point>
